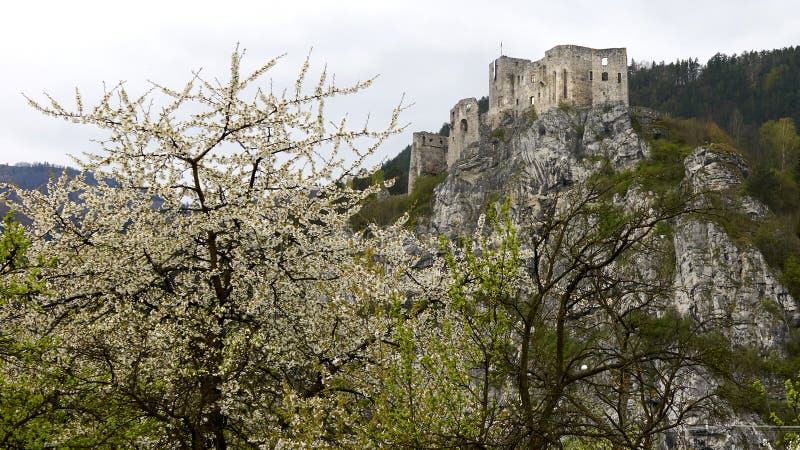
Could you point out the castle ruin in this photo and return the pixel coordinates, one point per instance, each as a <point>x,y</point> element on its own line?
<point>428,156</point>
<point>568,75</point>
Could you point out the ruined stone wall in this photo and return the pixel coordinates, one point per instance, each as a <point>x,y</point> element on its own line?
<point>568,74</point>
<point>428,156</point>
<point>506,84</point>
<point>464,127</point>
<point>615,88</point>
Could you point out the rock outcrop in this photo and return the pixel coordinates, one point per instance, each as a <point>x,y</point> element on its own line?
<point>530,159</point>
<point>721,282</point>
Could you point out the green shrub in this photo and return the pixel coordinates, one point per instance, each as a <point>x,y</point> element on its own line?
<point>382,212</point>
<point>501,133</point>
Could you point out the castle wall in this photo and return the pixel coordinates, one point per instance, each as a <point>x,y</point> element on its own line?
<point>428,156</point>
<point>464,128</point>
<point>506,84</point>
<point>568,74</point>
<point>615,88</point>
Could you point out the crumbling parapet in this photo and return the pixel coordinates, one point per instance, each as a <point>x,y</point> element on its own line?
<point>464,127</point>
<point>428,156</point>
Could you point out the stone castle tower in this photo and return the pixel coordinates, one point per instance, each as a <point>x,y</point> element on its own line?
<point>567,75</point>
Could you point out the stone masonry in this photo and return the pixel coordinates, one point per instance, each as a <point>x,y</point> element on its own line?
<point>428,156</point>
<point>568,74</point>
<point>464,127</point>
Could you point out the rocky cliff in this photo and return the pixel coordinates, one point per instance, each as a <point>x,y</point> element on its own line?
<point>720,281</point>
<point>529,158</point>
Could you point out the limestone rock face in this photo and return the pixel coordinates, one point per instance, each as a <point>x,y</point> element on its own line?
<point>717,170</point>
<point>530,159</point>
<point>721,282</point>
<point>729,288</point>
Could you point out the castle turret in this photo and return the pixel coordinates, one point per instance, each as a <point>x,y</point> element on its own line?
<point>464,127</point>
<point>428,156</point>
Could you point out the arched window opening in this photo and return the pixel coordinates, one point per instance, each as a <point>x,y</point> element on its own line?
<point>604,61</point>
<point>464,125</point>
<point>619,77</point>
<point>564,80</point>
<point>591,76</point>
<point>605,76</point>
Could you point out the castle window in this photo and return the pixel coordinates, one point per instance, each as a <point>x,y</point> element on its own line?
<point>533,100</point>
<point>464,125</point>
<point>468,108</point>
<point>619,77</point>
<point>605,76</point>
<point>517,101</point>
<point>533,78</point>
<point>591,76</point>
<point>564,80</point>
<point>604,61</point>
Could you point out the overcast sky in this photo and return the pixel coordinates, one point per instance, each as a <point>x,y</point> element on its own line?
<point>434,52</point>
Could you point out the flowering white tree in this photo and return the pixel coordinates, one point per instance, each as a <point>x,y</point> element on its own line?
<point>207,292</point>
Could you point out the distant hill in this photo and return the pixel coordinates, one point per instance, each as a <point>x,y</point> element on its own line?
<point>739,92</point>
<point>397,168</point>
<point>33,176</point>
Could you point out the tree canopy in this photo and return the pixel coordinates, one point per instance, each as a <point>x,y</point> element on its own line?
<point>195,302</point>
<point>209,291</point>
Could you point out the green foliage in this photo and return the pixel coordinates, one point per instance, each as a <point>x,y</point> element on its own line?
<point>32,408</point>
<point>788,413</point>
<point>388,210</point>
<point>377,177</point>
<point>737,91</point>
<point>663,170</point>
<point>394,169</point>
<point>445,130</point>
<point>483,105</point>
<point>397,169</point>
<point>779,190</point>
<point>791,275</point>
<point>780,145</point>
<point>13,258</point>
<point>502,134</point>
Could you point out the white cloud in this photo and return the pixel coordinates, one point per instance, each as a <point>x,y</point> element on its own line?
<point>435,52</point>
